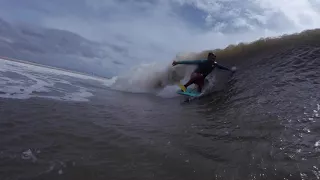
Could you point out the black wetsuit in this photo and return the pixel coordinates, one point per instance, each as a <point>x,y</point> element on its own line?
<point>205,67</point>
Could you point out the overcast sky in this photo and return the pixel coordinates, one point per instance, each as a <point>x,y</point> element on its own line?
<point>156,30</point>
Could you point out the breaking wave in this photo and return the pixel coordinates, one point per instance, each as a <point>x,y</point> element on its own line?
<point>160,78</point>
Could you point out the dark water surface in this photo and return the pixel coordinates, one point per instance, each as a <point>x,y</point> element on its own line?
<point>263,125</point>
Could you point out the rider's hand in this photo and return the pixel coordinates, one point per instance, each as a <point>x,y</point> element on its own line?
<point>174,63</point>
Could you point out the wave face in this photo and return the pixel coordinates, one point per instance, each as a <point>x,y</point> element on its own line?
<point>161,78</point>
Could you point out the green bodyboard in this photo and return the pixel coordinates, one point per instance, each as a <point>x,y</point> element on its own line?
<point>189,92</point>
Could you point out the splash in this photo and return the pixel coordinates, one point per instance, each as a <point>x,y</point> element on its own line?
<point>158,78</point>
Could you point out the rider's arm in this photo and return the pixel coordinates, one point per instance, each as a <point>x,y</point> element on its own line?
<point>222,67</point>
<point>191,62</point>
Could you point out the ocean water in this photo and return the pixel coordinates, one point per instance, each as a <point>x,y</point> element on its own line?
<point>262,122</point>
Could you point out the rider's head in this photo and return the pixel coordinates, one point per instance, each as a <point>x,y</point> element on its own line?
<point>211,56</point>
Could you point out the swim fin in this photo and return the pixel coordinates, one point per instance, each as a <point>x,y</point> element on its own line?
<point>182,87</point>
